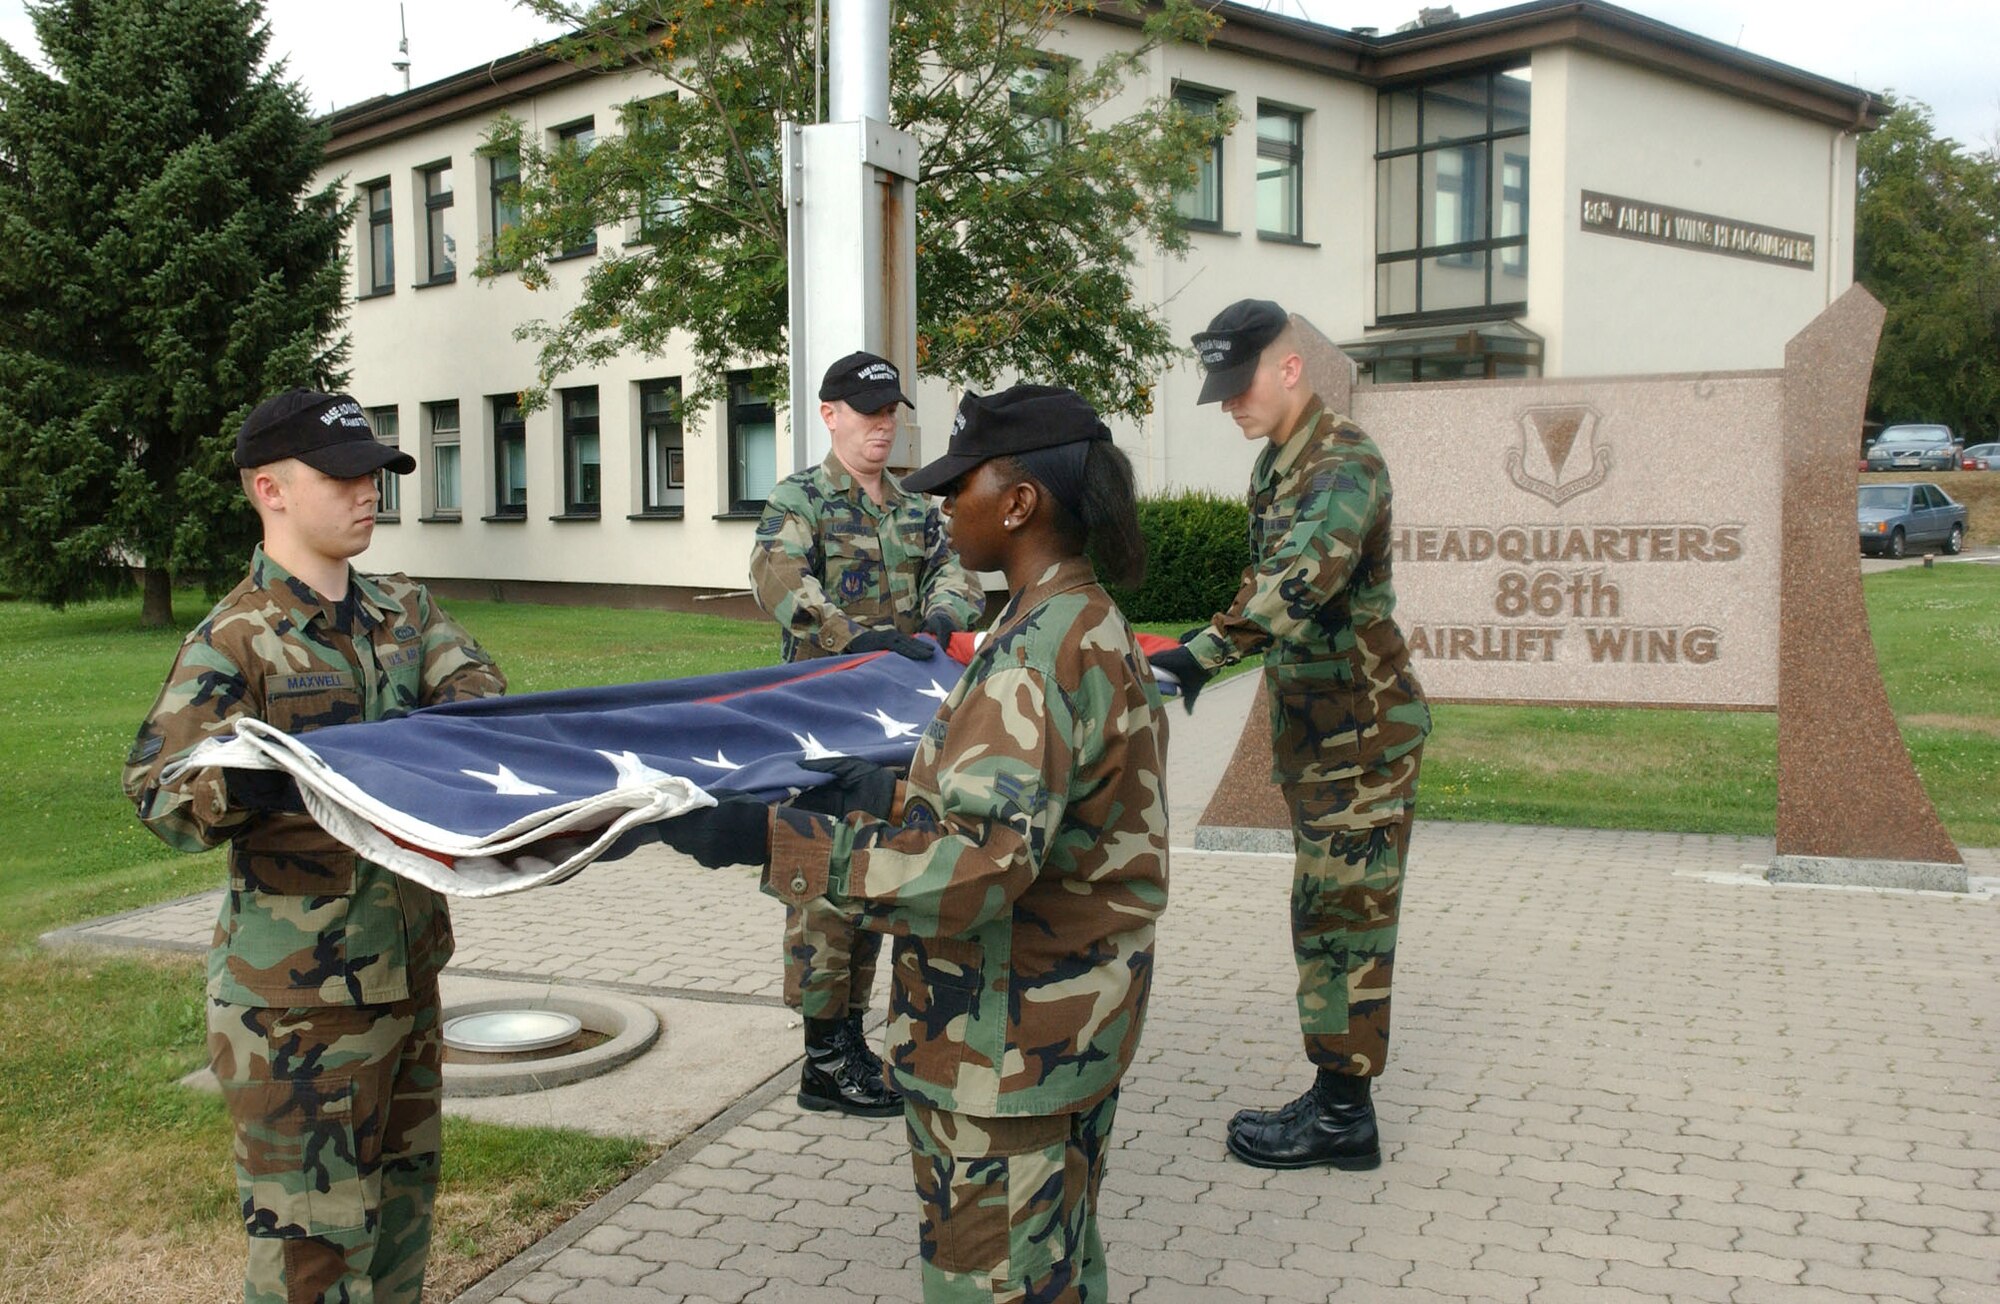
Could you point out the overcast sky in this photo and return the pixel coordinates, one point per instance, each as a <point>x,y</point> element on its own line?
<point>1943,52</point>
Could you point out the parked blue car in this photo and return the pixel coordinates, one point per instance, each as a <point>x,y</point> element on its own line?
<point>1914,448</point>
<point>1897,517</point>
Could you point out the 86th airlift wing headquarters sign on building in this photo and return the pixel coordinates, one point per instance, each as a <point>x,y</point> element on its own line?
<point>1663,541</point>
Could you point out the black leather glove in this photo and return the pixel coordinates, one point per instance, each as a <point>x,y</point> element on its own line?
<point>263,790</point>
<point>1180,663</point>
<point>940,626</point>
<point>890,640</point>
<point>857,785</point>
<point>734,831</point>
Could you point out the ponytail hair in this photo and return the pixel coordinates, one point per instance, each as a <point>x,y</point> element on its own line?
<point>1111,516</point>
<point>1104,522</point>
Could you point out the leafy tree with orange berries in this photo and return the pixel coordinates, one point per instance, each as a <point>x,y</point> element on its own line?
<point>1040,176</point>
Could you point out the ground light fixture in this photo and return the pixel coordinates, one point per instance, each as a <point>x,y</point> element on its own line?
<point>510,1032</point>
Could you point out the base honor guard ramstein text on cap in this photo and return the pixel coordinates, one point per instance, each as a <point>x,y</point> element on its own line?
<point>1014,421</point>
<point>1233,342</point>
<point>328,432</point>
<point>865,382</point>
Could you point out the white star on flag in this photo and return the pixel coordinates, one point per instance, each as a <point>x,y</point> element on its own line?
<point>937,690</point>
<point>720,762</point>
<point>506,783</point>
<point>814,749</point>
<point>633,772</point>
<point>892,727</point>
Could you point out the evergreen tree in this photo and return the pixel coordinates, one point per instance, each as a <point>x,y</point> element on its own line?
<point>1927,244</point>
<point>1038,176</point>
<point>165,269</point>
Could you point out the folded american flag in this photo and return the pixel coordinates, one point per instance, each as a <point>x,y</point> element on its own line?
<point>486,797</point>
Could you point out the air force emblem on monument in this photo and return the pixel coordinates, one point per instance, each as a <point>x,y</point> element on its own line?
<point>1558,457</point>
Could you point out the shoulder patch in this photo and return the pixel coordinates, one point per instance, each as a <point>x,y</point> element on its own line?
<point>917,814</point>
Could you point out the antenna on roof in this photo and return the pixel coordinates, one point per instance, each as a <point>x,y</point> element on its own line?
<point>402,63</point>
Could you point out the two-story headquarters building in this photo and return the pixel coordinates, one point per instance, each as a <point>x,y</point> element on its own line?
<point>1561,188</point>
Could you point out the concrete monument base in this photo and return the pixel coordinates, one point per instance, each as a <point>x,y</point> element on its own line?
<point>1225,837</point>
<point>1917,875</point>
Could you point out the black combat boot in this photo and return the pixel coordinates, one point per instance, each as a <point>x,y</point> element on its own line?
<point>1332,1124</point>
<point>837,1074</point>
<point>866,1062</point>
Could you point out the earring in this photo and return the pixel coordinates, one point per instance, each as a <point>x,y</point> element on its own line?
<point>1010,522</point>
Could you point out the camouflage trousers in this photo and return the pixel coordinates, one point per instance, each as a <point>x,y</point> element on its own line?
<point>1350,839</point>
<point>829,963</point>
<point>1008,1206</point>
<point>337,1130</point>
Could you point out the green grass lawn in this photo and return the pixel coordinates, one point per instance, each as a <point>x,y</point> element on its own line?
<point>94,1133</point>
<point>1937,637</point>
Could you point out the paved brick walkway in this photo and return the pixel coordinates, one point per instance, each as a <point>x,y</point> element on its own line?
<point>1624,1069</point>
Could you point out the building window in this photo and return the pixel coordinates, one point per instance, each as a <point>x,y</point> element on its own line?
<point>1513,215</point>
<point>381,238</point>
<point>388,485</point>
<point>575,139</point>
<point>753,445</point>
<point>440,250</point>
<point>1492,350</point>
<point>503,192</point>
<point>582,467</point>
<point>659,206</point>
<point>1039,122</point>
<point>1200,205</point>
<point>443,418</point>
<point>663,454</point>
<point>1451,183</point>
<point>510,457</point>
<point>1281,135</point>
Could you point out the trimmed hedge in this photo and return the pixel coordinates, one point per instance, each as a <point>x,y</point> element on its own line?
<point>1197,544</point>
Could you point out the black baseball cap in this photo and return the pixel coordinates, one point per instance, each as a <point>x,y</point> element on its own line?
<point>865,382</point>
<point>1017,420</point>
<point>328,432</point>
<point>1233,342</point>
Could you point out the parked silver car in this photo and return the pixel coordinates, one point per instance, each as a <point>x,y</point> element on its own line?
<point>1982,457</point>
<point>1914,448</point>
<point>1897,517</point>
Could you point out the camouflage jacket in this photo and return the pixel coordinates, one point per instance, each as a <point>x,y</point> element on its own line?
<point>305,920</point>
<point>1317,600</point>
<point>1023,869</point>
<point>829,563</point>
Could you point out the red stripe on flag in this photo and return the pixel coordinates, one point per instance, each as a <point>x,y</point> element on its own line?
<point>799,679</point>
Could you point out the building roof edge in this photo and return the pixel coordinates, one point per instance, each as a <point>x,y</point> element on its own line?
<point>1375,60</point>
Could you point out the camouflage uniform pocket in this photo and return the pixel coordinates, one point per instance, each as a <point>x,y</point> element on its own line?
<point>290,855</point>
<point>299,712</point>
<point>997,1194</point>
<point>935,1000</point>
<point>296,1162</point>
<point>1313,727</point>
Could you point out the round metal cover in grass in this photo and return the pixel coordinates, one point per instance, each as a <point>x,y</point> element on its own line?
<point>510,1032</point>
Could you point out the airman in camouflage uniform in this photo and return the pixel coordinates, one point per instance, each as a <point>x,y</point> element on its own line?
<point>847,561</point>
<point>832,565</point>
<point>322,982</point>
<point>1348,721</point>
<point>1021,868</point>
